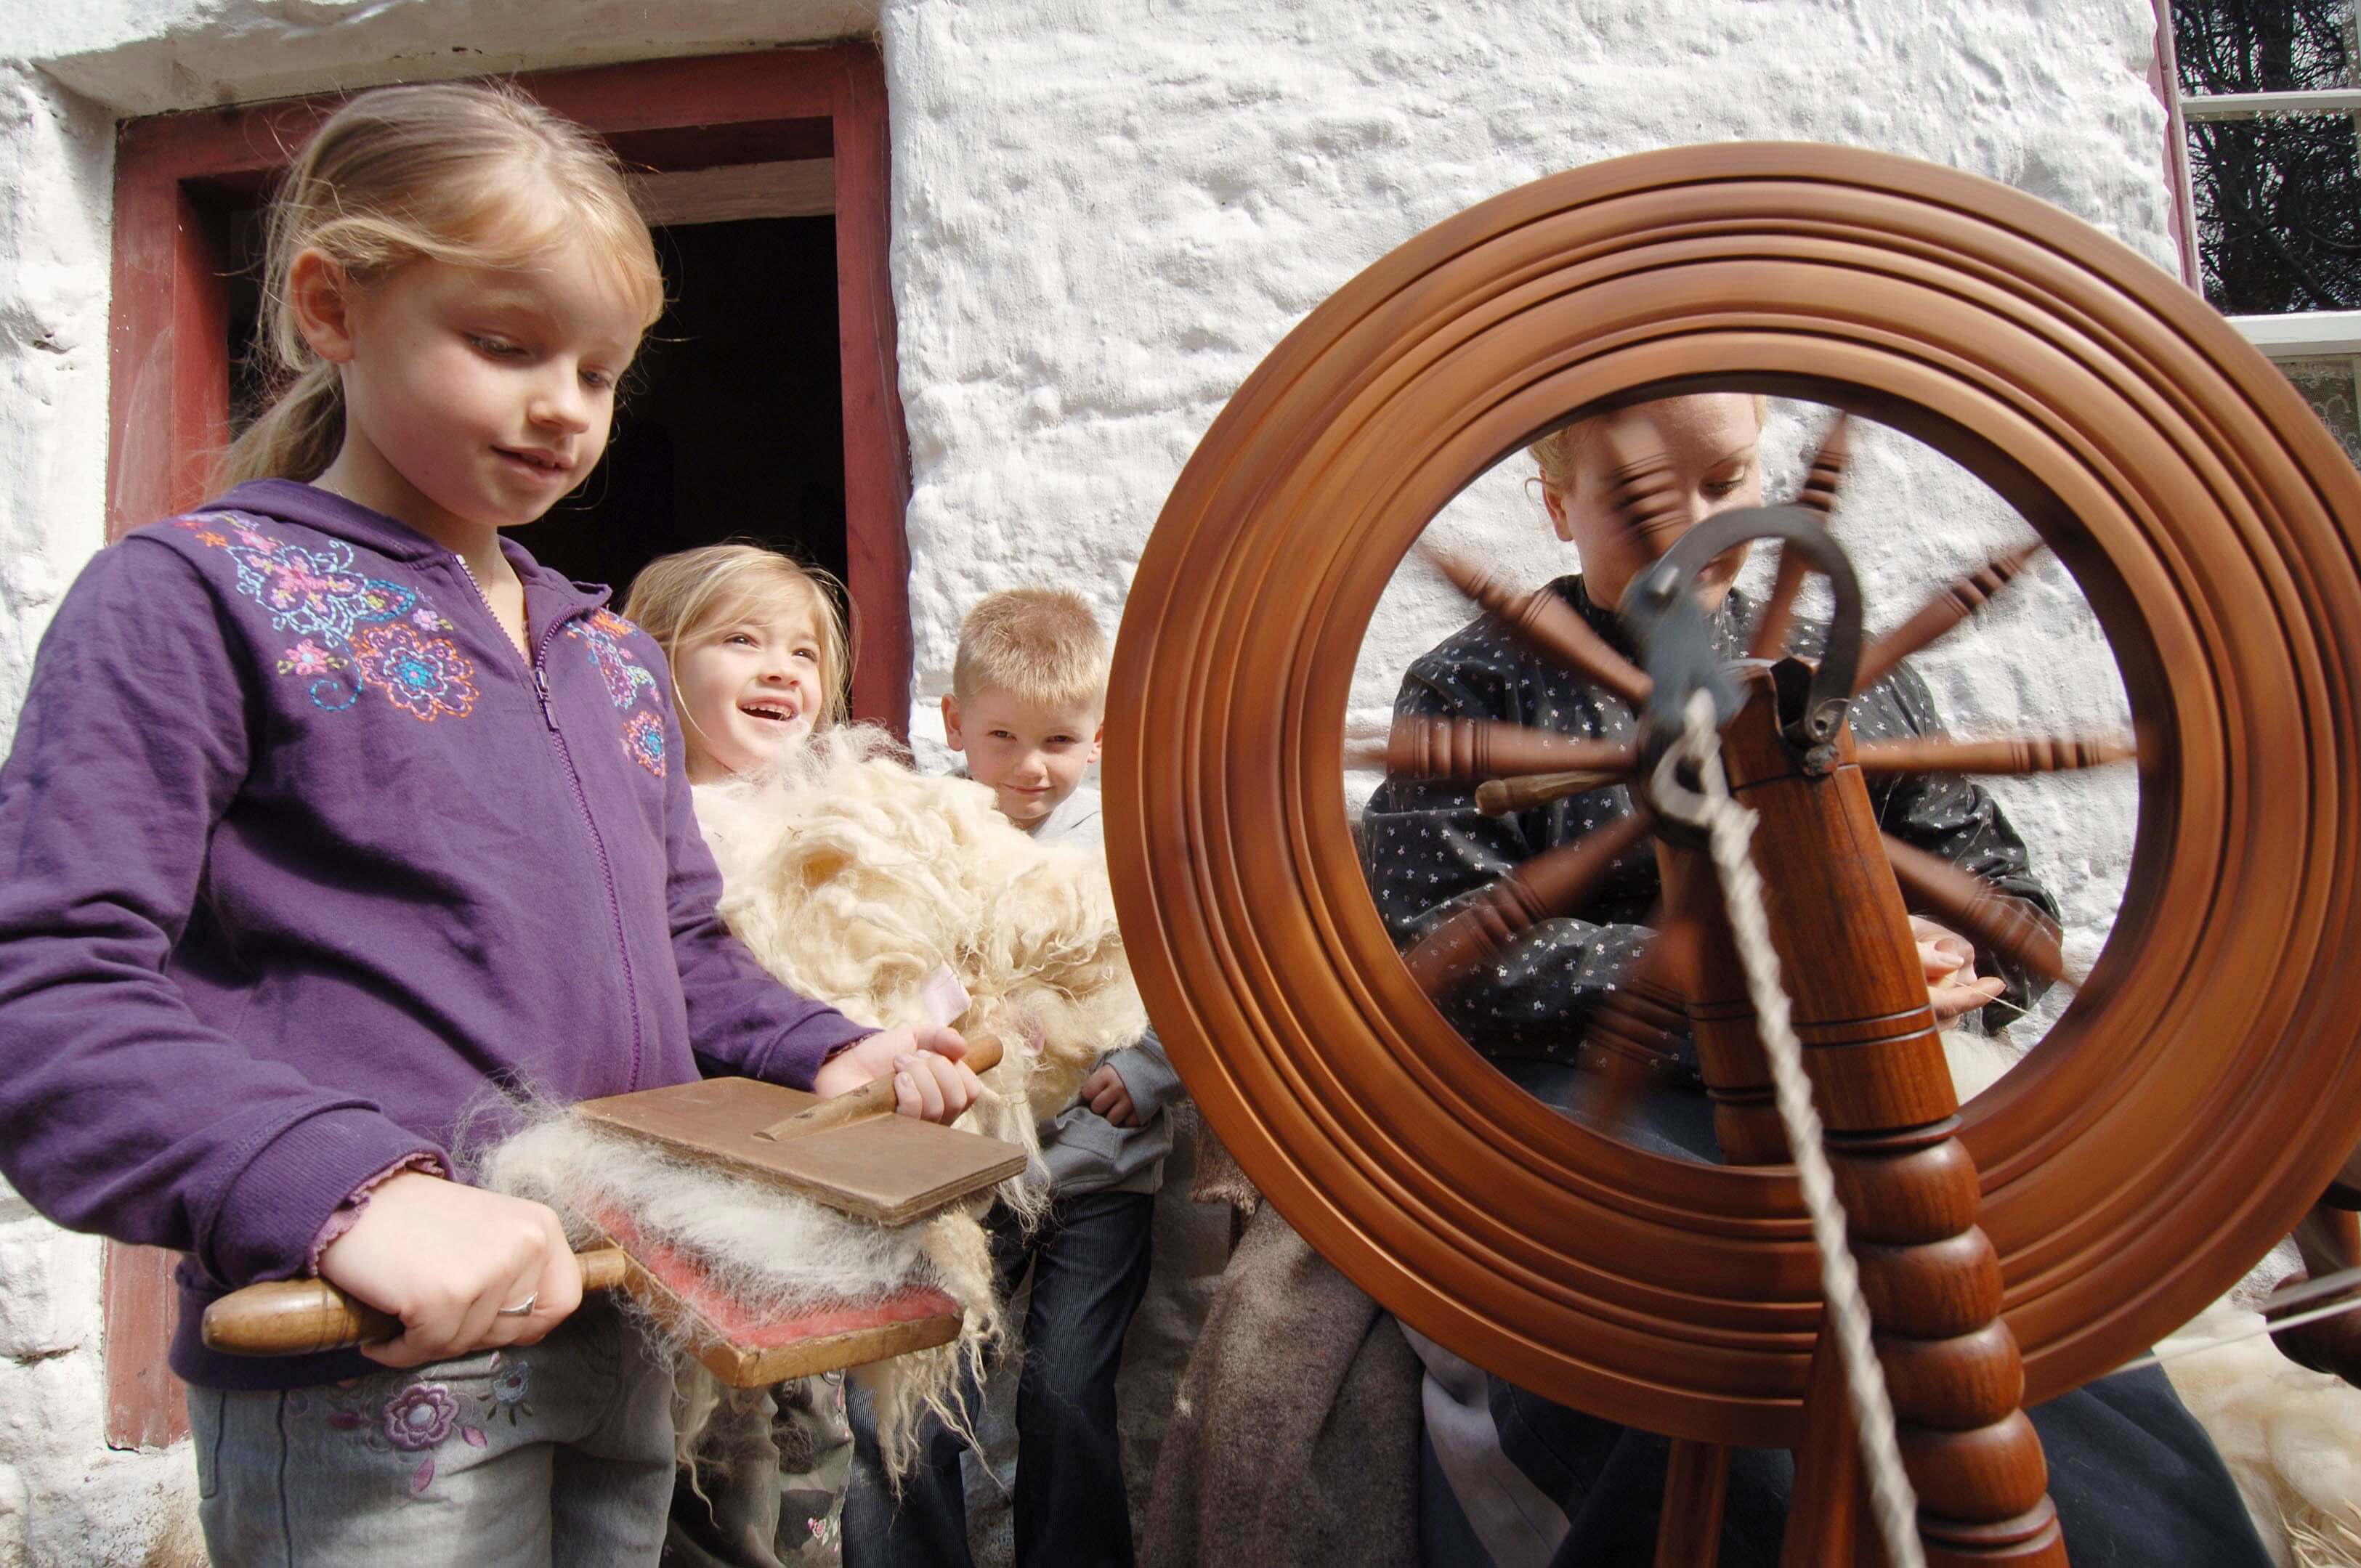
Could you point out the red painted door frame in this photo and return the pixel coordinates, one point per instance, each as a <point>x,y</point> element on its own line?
<point>170,386</point>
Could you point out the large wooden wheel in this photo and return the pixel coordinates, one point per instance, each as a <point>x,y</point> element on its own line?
<point>2205,1083</point>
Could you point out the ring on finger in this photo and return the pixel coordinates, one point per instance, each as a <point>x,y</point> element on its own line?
<point>521,1310</point>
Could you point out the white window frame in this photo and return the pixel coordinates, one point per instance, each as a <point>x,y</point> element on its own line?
<point>2297,335</point>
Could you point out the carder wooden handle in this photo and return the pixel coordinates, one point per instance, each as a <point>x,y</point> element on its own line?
<point>875,1097</point>
<point>302,1317</point>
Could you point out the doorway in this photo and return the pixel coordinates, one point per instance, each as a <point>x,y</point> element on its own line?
<point>732,423</point>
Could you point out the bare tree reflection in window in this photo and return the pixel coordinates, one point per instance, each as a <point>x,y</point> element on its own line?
<point>2278,198</point>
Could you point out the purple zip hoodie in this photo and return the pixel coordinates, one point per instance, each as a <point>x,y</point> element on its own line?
<point>301,859</point>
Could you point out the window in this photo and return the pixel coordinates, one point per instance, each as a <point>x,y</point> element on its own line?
<point>2266,115</point>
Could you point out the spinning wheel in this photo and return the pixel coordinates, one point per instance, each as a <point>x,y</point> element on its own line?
<point>2199,1090</point>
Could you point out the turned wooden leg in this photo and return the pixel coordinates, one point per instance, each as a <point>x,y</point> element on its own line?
<point>1909,1188</point>
<point>1697,1482</point>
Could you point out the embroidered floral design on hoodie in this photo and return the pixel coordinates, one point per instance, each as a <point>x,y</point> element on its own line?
<point>351,631</point>
<point>601,635</point>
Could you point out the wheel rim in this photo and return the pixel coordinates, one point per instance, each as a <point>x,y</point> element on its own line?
<point>2197,1094</point>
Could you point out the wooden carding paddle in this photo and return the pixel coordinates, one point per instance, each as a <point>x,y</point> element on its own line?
<point>739,1344</point>
<point>854,1155</point>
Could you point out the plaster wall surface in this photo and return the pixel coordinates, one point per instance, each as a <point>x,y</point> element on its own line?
<point>1104,214</point>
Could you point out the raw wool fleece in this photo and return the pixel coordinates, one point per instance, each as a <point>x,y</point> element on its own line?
<point>2291,1437</point>
<point>777,1254</point>
<point>852,879</point>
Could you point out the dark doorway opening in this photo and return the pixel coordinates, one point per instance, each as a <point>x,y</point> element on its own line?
<point>731,424</point>
<point>732,420</point>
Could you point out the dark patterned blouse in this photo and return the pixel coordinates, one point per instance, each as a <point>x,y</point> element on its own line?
<point>1427,849</point>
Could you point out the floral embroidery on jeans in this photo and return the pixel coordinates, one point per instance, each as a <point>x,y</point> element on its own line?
<point>426,677</point>
<point>418,1419</point>
<point>511,1385</point>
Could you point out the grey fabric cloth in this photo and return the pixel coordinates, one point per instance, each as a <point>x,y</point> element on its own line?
<point>1083,1150</point>
<point>1295,1440</point>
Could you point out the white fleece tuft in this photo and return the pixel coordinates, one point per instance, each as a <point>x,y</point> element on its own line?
<point>852,877</point>
<point>2290,1437</point>
<point>772,1255</point>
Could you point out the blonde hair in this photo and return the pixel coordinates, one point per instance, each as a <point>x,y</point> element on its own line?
<point>470,175</point>
<point>1041,646</point>
<point>1554,453</point>
<point>676,598</point>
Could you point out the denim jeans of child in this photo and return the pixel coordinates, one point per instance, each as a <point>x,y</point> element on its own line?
<point>557,1455</point>
<point>1090,1260</point>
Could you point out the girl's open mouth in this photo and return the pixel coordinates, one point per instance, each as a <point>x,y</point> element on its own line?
<point>539,465</point>
<point>770,712</point>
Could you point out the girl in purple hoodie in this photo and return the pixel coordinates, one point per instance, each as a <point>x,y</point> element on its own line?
<point>331,815</point>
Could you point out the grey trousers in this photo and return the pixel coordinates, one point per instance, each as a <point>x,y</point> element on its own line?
<point>560,1453</point>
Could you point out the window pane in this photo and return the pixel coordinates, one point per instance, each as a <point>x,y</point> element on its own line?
<point>2279,213</point>
<point>2263,46</point>
<point>2327,386</point>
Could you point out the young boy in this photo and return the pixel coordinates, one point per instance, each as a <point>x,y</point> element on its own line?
<point>1028,692</point>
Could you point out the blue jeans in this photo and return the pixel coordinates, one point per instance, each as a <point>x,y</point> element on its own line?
<point>558,1453</point>
<point>1090,1260</point>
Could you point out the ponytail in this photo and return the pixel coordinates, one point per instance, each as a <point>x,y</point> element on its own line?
<point>297,436</point>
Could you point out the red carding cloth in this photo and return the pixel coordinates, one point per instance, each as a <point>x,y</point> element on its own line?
<point>756,1325</point>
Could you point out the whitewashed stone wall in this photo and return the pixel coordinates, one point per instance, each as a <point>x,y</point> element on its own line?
<point>1105,212</point>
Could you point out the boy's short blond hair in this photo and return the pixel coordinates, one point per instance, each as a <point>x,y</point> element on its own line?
<point>1041,646</point>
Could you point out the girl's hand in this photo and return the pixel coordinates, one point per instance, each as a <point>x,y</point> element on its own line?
<point>445,1259</point>
<point>1950,964</point>
<point>1106,1092</point>
<point>931,1080</point>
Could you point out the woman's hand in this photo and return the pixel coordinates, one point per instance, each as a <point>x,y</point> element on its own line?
<point>931,1081</point>
<point>1949,962</point>
<point>1106,1092</point>
<point>447,1259</point>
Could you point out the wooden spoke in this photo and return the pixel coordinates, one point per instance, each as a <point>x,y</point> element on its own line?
<point>1646,493</point>
<point>1820,493</point>
<point>1549,625</point>
<point>1500,797</point>
<point>1954,605</point>
<point>2054,755</point>
<point>1629,1044</point>
<point>1994,920</point>
<point>1543,887</point>
<point>1427,748</point>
